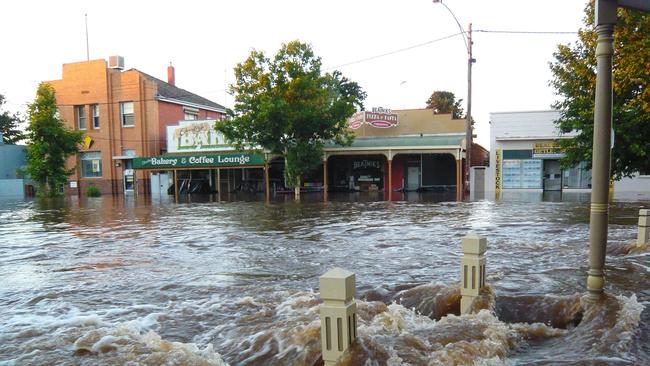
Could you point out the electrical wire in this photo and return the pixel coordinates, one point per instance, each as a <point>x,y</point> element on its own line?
<point>395,51</point>
<point>521,32</point>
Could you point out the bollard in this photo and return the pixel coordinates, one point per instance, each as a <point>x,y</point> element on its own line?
<point>472,270</point>
<point>338,314</point>
<point>644,228</point>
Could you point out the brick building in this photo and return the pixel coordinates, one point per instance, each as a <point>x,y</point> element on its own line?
<point>124,115</point>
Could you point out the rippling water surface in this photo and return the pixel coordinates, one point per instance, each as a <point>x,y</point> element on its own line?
<point>118,280</point>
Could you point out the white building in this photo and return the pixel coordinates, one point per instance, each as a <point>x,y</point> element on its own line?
<point>524,157</point>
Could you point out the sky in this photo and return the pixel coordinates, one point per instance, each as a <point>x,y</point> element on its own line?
<point>204,40</point>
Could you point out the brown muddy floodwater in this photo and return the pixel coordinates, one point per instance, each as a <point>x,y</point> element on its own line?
<point>124,281</point>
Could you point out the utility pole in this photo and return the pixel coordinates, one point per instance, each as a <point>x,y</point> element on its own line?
<point>467,38</point>
<point>468,116</point>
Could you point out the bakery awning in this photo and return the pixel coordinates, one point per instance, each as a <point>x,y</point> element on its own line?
<point>199,161</point>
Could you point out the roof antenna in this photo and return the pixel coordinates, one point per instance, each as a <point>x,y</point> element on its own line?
<point>87,47</point>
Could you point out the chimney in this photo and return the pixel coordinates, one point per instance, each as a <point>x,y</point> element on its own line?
<point>171,79</point>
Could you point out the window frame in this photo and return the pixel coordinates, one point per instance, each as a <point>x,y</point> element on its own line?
<point>94,109</point>
<point>92,160</point>
<point>80,116</point>
<point>123,114</point>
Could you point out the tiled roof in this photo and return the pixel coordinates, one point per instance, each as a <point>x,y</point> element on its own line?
<point>167,90</point>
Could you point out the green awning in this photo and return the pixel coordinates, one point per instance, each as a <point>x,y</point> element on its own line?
<point>198,161</point>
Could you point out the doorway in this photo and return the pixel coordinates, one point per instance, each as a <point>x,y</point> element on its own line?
<point>129,175</point>
<point>552,175</point>
<point>412,178</point>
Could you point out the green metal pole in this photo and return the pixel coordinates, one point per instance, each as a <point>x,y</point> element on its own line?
<point>598,220</point>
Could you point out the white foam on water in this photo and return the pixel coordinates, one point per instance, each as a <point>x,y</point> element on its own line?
<point>135,343</point>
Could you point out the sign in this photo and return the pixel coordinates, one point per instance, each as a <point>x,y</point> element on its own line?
<point>191,161</point>
<point>379,117</point>
<point>73,184</point>
<point>365,164</point>
<point>87,142</point>
<point>547,150</point>
<point>497,171</point>
<point>191,136</point>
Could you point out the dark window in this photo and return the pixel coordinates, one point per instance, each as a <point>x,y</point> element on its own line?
<point>95,109</point>
<point>80,112</point>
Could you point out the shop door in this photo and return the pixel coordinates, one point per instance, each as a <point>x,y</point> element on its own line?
<point>413,178</point>
<point>552,175</point>
<point>129,176</point>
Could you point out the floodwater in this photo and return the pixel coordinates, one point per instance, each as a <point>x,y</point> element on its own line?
<point>126,281</point>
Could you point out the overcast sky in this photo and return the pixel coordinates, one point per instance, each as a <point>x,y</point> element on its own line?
<point>205,39</point>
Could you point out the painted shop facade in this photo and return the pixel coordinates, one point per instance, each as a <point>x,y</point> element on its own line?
<point>405,150</point>
<point>525,156</point>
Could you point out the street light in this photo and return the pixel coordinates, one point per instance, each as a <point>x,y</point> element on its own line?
<point>468,123</point>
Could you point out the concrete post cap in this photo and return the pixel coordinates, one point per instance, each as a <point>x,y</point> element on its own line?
<point>644,212</point>
<point>337,284</point>
<point>473,244</point>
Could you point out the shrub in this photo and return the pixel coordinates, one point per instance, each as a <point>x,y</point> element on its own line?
<point>93,191</point>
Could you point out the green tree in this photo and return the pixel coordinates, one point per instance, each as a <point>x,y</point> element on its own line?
<point>50,143</point>
<point>9,125</point>
<point>443,102</point>
<point>574,79</point>
<point>288,106</point>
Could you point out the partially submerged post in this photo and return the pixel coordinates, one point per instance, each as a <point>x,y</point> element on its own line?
<point>337,314</point>
<point>643,238</point>
<point>472,270</point>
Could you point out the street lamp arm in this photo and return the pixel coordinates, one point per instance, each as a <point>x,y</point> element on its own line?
<point>462,31</point>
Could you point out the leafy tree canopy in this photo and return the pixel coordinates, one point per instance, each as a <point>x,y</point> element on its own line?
<point>50,143</point>
<point>574,79</point>
<point>444,102</point>
<point>9,125</point>
<point>288,106</point>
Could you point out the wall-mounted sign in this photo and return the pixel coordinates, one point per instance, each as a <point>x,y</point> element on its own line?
<point>547,150</point>
<point>379,117</point>
<point>195,136</point>
<point>203,160</point>
<point>365,164</point>
<point>87,142</point>
<point>497,171</point>
<point>73,184</point>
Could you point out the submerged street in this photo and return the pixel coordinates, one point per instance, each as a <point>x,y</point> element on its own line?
<point>113,279</point>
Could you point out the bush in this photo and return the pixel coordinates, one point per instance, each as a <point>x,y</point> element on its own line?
<point>93,191</point>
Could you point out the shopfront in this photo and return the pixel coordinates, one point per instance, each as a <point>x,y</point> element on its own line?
<point>206,173</point>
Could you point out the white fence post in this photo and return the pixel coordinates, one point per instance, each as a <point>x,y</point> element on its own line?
<point>338,314</point>
<point>472,270</point>
<point>644,228</point>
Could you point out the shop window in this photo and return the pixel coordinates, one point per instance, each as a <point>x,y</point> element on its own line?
<point>95,110</point>
<point>91,164</point>
<point>80,114</point>
<point>577,177</point>
<point>126,111</point>
<point>522,174</point>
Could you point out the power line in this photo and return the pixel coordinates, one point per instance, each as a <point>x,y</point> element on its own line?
<point>395,51</point>
<point>521,32</point>
<point>443,38</point>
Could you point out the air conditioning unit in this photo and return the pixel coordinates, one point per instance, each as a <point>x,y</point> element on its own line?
<point>116,62</point>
